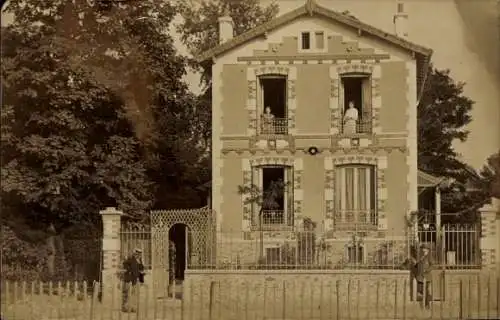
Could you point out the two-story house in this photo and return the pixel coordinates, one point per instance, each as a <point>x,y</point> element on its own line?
<point>326,102</point>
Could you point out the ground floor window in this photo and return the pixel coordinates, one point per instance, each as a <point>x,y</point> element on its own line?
<point>355,195</point>
<point>275,206</point>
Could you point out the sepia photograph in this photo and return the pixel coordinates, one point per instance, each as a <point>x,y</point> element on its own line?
<point>250,159</point>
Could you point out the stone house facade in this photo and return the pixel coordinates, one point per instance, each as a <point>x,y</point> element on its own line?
<point>281,94</point>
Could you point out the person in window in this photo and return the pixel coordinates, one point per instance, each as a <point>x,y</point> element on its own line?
<point>171,267</point>
<point>133,274</point>
<point>422,269</point>
<point>267,122</point>
<point>351,117</point>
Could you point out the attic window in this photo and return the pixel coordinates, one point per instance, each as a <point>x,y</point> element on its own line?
<point>312,41</point>
<point>306,41</point>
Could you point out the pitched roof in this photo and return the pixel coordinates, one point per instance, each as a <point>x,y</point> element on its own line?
<point>426,180</point>
<point>422,54</point>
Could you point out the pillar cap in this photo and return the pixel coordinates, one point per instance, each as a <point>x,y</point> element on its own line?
<point>111,211</point>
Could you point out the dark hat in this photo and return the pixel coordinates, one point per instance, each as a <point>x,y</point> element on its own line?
<point>424,246</point>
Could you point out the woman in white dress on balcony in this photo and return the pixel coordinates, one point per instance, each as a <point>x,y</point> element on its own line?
<point>350,119</point>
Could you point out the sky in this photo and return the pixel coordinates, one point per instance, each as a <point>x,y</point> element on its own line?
<point>465,37</point>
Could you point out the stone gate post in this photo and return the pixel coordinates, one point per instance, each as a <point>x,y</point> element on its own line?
<point>111,222</point>
<point>490,233</point>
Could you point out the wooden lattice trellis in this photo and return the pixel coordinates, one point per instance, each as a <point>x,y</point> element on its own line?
<point>200,223</point>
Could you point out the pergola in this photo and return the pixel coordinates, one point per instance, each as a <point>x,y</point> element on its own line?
<point>426,182</point>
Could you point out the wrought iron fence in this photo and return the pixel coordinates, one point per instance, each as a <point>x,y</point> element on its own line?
<point>467,298</point>
<point>137,236</point>
<point>300,250</point>
<point>455,246</point>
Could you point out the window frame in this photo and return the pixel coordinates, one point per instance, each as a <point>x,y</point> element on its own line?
<point>261,106</point>
<point>312,41</point>
<point>341,195</point>
<point>357,247</point>
<point>365,99</point>
<point>258,180</point>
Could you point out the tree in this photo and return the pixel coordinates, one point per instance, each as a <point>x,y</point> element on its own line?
<point>264,199</point>
<point>200,27</point>
<point>94,108</point>
<point>443,114</point>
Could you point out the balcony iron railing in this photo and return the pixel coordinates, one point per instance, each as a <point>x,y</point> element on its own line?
<point>363,126</point>
<point>273,219</point>
<point>346,219</point>
<point>276,126</point>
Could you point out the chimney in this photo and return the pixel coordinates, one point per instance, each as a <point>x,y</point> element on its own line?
<point>225,28</point>
<point>401,21</point>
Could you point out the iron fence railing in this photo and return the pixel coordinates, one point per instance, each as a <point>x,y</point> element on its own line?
<point>454,246</point>
<point>136,237</point>
<point>240,298</point>
<point>282,249</point>
<point>355,247</point>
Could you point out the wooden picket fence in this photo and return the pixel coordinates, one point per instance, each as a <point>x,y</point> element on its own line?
<point>220,300</point>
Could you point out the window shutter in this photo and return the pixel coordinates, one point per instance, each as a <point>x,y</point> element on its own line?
<point>366,115</point>
<point>289,195</point>
<point>256,182</point>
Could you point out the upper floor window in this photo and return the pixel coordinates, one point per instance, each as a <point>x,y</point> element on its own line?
<point>312,41</point>
<point>357,100</point>
<point>355,195</point>
<point>306,40</point>
<point>276,200</point>
<point>273,104</point>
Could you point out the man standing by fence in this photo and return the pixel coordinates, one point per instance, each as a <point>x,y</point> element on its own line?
<point>133,273</point>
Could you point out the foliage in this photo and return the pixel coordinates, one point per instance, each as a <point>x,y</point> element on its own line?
<point>265,199</point>
<point>200,27</point>
<point>491,171</point>
<point>21,260</point>
<point>443,114</point>
<point>95,114</point>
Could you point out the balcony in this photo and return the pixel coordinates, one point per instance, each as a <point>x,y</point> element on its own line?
<point>276,126</point>
<point>273,220</point>
<point>355,219</point>
<point>363,126</point>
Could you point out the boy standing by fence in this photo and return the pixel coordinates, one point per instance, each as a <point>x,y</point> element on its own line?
<point>133,273</point>
<point>422,270</point>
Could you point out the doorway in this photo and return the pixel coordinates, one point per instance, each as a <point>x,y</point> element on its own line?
<point>179,235</point>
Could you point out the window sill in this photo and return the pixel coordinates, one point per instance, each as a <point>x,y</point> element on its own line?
<point>273,136</point>
<point>276,227</point>
<point>355,227</point>
<point>356,135</point>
